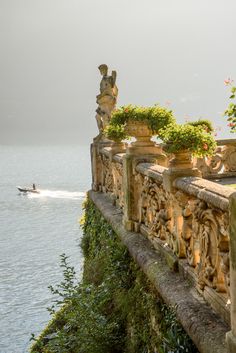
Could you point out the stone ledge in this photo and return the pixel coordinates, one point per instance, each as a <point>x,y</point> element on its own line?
<point>224,142</point>
<point>106,151</point>
<point>215,194</point>
<point>204,327</point>
<point>218,301</point>
<point>231,342</point>
<point>151,170</point>
<point>118,157</point>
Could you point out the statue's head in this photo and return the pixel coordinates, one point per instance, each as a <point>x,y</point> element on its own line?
<point>103,69</point>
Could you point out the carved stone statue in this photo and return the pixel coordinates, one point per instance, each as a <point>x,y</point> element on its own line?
<point>107,98</point>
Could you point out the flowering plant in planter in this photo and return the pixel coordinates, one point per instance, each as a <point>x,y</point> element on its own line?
<point>155,118</point>
<point>194,139</point>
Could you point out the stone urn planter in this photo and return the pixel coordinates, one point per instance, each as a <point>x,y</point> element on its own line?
<point>184,141</point>
<point>181,160</point>
<point>141,132</point>
<point>139,122</point>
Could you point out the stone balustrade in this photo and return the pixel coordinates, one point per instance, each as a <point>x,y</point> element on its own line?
<point>193,222</point>
<point>189,218</point>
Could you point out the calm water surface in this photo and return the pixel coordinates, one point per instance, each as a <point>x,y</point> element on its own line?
<point>34,231</point>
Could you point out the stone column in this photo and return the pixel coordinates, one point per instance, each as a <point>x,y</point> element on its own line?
<point>181,165</point>
<point>132,186</point>
<point>96,162</point>
<point>115,148</point>
<point>231,336</point>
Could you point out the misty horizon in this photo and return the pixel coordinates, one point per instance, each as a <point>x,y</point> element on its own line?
<point>174,54</point>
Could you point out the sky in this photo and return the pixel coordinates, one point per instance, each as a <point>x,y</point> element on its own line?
<point>173,52</point>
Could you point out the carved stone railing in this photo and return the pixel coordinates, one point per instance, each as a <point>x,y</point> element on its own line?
<point>222,164</point>
<point>185,216</point>
<point>193,222</point>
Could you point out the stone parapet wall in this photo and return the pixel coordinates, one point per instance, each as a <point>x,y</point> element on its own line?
<point>192,222</point>
<point>183,215</point>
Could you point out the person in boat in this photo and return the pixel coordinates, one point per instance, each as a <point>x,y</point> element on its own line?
<point>34,187</point>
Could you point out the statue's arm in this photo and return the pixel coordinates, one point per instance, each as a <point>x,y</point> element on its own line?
<point>113,75</point>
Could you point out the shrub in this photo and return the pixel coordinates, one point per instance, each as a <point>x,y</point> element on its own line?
<point>155,117</point>
<point>188,137</point>
<point>116,132</point>
<point>112,311</point>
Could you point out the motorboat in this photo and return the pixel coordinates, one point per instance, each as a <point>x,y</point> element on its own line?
<point>25,190</point>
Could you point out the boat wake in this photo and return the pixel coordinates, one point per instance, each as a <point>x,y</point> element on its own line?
<point>58,194</point>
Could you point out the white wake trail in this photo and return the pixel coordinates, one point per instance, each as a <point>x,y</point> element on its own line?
<point>58,194</point>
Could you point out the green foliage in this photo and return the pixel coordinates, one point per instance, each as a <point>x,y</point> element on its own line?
<point>155,117</point>
<point>114,308</point>
<point>230,112</point>
<point>67,288</point>
<point>174,341</point>
<point>193,138</point>
<point>205,124</point>
<point>116,132</point>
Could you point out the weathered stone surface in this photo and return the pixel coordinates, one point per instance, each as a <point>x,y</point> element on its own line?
<point>231,342</point>
<point>106,151</point>
<point>226,142</point>
<point>190,220</point>
<point>206,190</point>
<point>205,328</point>
<point>113,149</point>
<point>118,157</point>
<point>151,170</point>
<point>170,175</point>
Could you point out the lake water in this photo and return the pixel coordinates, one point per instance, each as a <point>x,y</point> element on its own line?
<point>34,230</point>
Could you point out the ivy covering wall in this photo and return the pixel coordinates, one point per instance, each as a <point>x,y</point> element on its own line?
<point>114,308</point>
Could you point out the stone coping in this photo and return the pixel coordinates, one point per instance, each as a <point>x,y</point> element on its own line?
<point>226,142</point>
<point>205,327</point>
<point>208,191</point>
<point>118,157</point>
<point>106,151</point>
<point>203,189</point>
<point>151,170</point>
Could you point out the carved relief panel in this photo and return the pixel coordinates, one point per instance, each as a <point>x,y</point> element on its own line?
<point>205,232</point>
<point>192,229</point>
<point>155,210</point>
<point>107,178</point>
<point>117,173</point>
<point>223,161</point>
